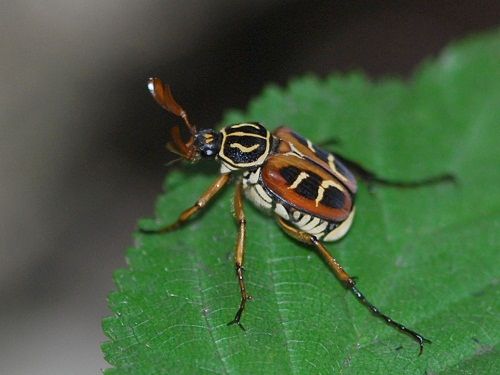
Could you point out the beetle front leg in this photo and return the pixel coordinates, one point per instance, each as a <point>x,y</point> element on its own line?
<point>240,252</point>
<point>348,281</point>
<point>216,186</point>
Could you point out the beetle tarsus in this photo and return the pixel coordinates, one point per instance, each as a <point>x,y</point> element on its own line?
<point>237,317</point>
<point>421,340</point>
<point>434,180</point>
<point>371,179</point>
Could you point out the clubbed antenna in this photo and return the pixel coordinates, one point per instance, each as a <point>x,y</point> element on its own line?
<point>163,96</point>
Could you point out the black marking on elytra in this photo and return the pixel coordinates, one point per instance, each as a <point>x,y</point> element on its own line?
<point>333,197</point>
<point>301,139</point>
<point>343,170</point>
<point>290,173</point>
<point>322,154</point>
<point>341,167</point>
<point>308,187</point>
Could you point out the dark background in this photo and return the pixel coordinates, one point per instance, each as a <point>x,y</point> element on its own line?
<point>82,143</point>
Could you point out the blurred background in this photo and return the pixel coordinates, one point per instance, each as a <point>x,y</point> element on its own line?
<point>82,142</point>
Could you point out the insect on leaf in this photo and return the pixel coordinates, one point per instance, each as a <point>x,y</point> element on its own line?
<point>428,257</point>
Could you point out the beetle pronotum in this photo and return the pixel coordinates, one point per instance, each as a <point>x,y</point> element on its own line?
<point>309,191</point>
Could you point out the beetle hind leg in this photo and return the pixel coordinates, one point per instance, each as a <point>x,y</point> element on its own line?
<point>348,281</point>
<point>372,179</point>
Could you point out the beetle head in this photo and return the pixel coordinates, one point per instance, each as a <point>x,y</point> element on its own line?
<point>208,142</point>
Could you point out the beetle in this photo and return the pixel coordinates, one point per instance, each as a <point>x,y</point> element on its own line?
<point>311,192</point>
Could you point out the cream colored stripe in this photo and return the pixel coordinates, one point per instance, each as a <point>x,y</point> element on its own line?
<point>244,148</point>
<point>331,164</point>
<point>302,176</point>
<point>310,225</point>
<point>305,219</point>
<point>310,145</point>
<point>243,125</point>
<point>324,185</point>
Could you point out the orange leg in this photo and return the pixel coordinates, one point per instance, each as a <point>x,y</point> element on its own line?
<point>216,186</point>
<point>347,280</point>
<point>240,252</point>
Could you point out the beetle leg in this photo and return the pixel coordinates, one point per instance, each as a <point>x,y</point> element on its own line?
<point>240,252</point>
<point>371,178</point>
<point>216,186</point>
<point>347,280</point>
<point>332,141</point>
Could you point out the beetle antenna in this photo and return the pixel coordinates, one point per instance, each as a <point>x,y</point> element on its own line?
<point>163,96</point>
<point>173,161</point>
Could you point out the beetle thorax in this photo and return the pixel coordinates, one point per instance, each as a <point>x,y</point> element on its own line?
<point>245,145</point>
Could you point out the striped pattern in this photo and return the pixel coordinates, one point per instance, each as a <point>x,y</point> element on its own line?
<point>258,195</point>
<point>322,229</point>
<point>298,181</point>
<point>304,147</point>
<point>312,186</point>
<point>244,145</point>
<point>263,199</point>
<point>306,186</point>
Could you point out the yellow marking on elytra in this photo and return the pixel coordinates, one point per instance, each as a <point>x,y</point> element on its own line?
<point>302,176</point>
<point>244,148</point>
<point>331,164</point>
<point>245,124</point>
<point>325,185</point>
<point>310,145</point>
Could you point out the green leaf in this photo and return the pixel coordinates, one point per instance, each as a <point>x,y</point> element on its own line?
<point>428,257</point>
